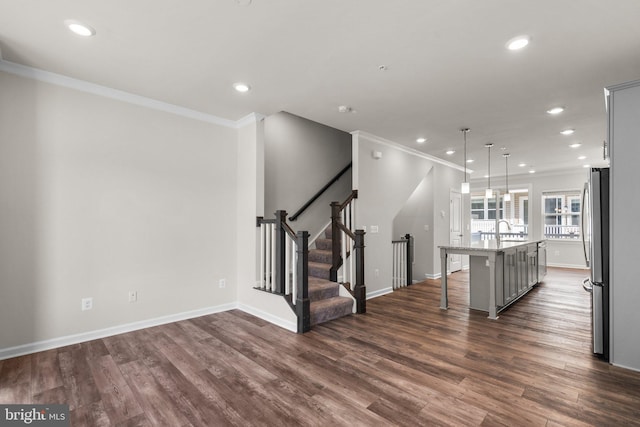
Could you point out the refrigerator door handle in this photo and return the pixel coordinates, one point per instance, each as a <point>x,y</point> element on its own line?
<point>583,230</point>
<point>587,285</point>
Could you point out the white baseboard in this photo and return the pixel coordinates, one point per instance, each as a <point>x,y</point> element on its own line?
<point>278,321</point>
<point>432,276</point>
<point>34,347</point>
<point>379,293</point>
<point>574,266</point>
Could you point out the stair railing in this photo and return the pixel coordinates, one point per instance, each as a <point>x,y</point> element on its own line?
<point>320,192</point>
<point>284,265</point>
<point>348,250</point>
<point>402,267</point>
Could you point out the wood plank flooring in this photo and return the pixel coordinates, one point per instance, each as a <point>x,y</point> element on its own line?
<point>405,362</point>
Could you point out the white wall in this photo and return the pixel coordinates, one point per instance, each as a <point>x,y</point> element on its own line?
<point>101,197</point>
<point>384,186</point>
<point>416,218</point>
<point>559,253</point>
<point>251,188</point>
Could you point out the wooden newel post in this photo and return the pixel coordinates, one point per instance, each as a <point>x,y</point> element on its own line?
<point>335,241</point>
<point>281,218</point>
<point>360,291</point>
<point>409,259</point>
<point>303,305</point>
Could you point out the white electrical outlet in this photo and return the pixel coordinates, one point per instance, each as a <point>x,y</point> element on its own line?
<point>426,227</point>
<point>222,283</point>
<point>376,272</point>
<point>133,296</point>
<point>86,304</point>
<point>374,229</point>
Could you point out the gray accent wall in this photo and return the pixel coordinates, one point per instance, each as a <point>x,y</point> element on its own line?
<point>301,156</point>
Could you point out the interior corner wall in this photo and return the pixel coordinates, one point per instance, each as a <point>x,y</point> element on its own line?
<point>416,218</point>
<point>384,185</point>
<point>251,195</point>
<point>301,156</point>
<point>446,180</point>
<point>100,197</point>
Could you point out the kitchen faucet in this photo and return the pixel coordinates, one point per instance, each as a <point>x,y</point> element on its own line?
<point>498,221</point>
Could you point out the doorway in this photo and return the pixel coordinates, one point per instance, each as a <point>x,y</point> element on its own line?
<point>455,229</point>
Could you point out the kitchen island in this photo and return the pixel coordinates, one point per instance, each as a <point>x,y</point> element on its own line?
<point>499,273</point>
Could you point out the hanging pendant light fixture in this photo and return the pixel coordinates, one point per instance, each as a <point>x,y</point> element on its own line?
<point>464,189</point>
<point>507,196</point>
<point>488,193</point>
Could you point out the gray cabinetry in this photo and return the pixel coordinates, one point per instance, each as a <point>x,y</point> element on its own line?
<point>523,273</point>
<point>542,260</point>
<point>532,265</point>
<point>510,284</point>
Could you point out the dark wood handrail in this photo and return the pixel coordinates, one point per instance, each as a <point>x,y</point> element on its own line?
<point>353,195</point>
<point>319,193</point>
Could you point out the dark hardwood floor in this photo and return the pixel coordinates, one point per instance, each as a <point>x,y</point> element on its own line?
<point>405,362</point>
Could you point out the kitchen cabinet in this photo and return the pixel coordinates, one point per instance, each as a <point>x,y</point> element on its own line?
<point>523,273</point>
<point>510,276</point>
<point>542,260</point>
<point>499,273</point>
<point>532,265</point>
<point>624,136</point>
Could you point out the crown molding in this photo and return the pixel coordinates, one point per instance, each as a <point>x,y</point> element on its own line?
<point>119,95</point>
<point>407,150</point>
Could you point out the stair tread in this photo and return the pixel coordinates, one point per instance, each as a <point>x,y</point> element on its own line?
<point>319,265</point>
<point>333,301</point>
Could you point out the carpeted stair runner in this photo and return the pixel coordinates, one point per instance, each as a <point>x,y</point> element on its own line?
<point>326,302</point>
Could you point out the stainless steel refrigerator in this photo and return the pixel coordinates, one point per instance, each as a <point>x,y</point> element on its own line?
<point>595,240</point>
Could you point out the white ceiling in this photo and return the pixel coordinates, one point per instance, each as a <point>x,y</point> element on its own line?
<point>447,65</point>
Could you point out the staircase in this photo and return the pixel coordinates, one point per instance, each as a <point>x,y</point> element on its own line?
<point>326,302</point>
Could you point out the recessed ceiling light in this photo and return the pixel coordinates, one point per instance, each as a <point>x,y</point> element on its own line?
<point>421,140</point>
<point>79,28</point>
<point>470,160</point>
<point>568,131</point>
<point>555,110</point>
<point>518,43</point>
<point>522,165</point>
<point>575,145</point>
<point>586,166</point>
<point>241,87</point>
<point>450,152</point>
<point>345,109</point>
<point>582,157</point>
<point>532,171</point>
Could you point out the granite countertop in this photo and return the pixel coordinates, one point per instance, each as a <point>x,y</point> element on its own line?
<point>491,245</point>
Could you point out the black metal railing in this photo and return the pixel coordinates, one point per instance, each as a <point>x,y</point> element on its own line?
<point>319,193</point>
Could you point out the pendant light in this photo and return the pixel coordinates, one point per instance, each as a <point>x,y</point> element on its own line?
<point>465,185</point>
<point>488,193</point>
<point>507,196</point>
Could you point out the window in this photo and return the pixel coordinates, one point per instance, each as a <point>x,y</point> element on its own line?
<point>561,214</point>
<point>484,212</point>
